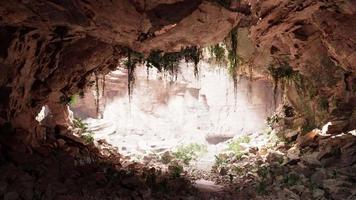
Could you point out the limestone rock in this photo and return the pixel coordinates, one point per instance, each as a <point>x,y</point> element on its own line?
<point>307,139</point>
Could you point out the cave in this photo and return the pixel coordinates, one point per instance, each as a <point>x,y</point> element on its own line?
<point>177,99</point>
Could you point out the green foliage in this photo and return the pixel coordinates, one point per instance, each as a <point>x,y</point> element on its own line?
<point>263,172</point>
<point>133,58</point>
<point>68,100</point>
<point>291,179</point>
<point>187,153</point>
<point>170,61</point>
<point>221,160</point>
<point>235,145</point>
<point>233,58</point>
<point>261,187</point>
<point>84,133</point>
<point>73,99</point>
<point>308,126</point>
<point>283,71</point>
<point>164,61</point>
<point>192,54</point>
<point>323,103</point>
<point>88,137</point>
<point>217,52</point>
<point>175,170</point>
<point>78,123</point>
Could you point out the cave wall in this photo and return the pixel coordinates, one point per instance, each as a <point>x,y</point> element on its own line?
<point>49,49</point>
<point>316,39</point>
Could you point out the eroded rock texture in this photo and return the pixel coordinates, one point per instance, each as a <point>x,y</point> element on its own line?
<point>49,49</point>
<point>317,39</point>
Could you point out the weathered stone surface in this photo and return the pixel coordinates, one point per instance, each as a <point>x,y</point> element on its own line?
<point>307,139</point>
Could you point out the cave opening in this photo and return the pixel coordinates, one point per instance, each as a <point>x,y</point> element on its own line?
<point>202,116</point>
<point>177,99</point>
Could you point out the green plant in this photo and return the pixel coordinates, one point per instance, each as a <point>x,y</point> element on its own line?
<point>133,58</point>
<point>192,54</point>
<point>234,60</point>
<point>175,170</point>
<point>308,126</point>
<point>169,61</point>
<point>235,145</point>
<point>221,160</point>
<point>263,171</point>
<point>84,132</point>
<point>87,137</point>
<point>68,100</point>
<point>291,179</point>
<point>282,71</point>
<point>261,187</point>
<point>187,153</point>
<point>217,52</point>
<point>78,123</point>
<point>323,103</point>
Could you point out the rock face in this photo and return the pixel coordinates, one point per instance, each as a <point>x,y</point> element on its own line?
<point>316,39</point>
<point>49,49</point>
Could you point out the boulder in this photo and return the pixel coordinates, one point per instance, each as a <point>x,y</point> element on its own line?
<point>307,139</point>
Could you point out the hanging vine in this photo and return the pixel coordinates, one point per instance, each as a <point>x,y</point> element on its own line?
<point>163,62</point>
<point>133,58</point>
<point>283,71</point>
<point>103,91</point>
<point>234,60</point>
<point>97,93</point>
<point>170,61</point>
<point>194,55</point>
<point>218,53</point>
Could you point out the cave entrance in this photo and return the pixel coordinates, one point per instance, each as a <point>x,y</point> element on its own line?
<point>184,117</point>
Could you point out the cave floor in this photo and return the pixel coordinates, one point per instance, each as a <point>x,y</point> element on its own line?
<point>64,167</point>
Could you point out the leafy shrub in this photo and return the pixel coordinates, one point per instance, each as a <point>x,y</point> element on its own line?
<point>235,145</point>
<point>187,153</point>
<point>221,160</point>
<point>291,179</point>
<point>175,170</point>
<point>88,137</point>
<point>261,187</point>
<point>84,132</point>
